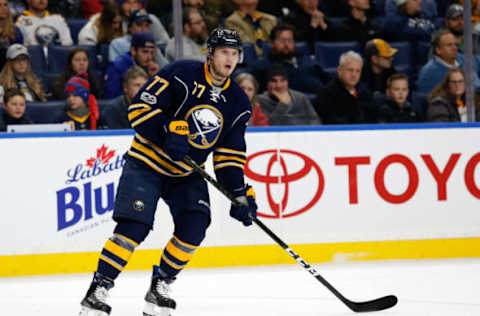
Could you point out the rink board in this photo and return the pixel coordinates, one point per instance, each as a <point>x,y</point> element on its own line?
<point>333,193</point>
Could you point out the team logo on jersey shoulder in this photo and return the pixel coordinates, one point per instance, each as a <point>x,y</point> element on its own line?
<point>206,123</point>
<point>148,98</point>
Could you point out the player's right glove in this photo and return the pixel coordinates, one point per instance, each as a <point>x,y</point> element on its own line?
<point>247,210</point>
<point>176,142</point>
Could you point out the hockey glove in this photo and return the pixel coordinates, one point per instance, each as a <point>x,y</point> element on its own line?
<point>176,142</point>
<point>247,210</point>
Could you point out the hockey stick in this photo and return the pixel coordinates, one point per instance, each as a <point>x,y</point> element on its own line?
<point>358,307</point>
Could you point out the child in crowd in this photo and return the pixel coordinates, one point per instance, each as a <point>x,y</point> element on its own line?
<point>397,109</point>
<point>14,108</point>
<point>82,107</point>
<point>249,85</point>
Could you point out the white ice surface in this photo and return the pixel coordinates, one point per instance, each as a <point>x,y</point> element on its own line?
<point>436,287</point>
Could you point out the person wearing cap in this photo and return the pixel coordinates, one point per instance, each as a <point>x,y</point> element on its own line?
<point>343,100</point>
<point>445,57</point>
<point>194,37</point>
<point>39,27</point>
<point>253,26</point>
<point>358,26</point>
<point>454,23</point>
<point>409,22</point>
<point>82,107</point>
<point>378,66</point>
<point>284,106</point>
<point>141,53</point>
<point>18,74</point>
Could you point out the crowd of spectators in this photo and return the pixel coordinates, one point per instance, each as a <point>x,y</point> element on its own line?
<point>307,62</point>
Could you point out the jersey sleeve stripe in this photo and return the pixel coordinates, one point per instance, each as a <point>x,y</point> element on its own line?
<point>136,106</point>
<point>229,151</point>
<point>228,164</point>
<point>145,117</point>
<point>153,155</point>
<point>133,114</point>
<point>218,158</point>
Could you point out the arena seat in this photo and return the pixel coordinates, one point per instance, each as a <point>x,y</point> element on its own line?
<point>420,104</point>
<point>75,26</point>
<point>37,59</point>
<point>301,48</point>
<point>328,53</point>
<point>249,53</point>
<point>422,50</point>
<point>45,112</point>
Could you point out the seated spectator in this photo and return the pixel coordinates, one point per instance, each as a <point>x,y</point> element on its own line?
<point>141,54</point>
<point>82,107</point>
<point>115,114</point>
<point>428,8</point>
<point>18,74</point>
<point>212,10</point>
<point>446,103</point>
<point>284,106</point>
<point>410,24</point>
<point>155,26</point>
<point>194,38</point>
<point>445,57</point>
<point>249,85</point>
<point>39,27</point>
<point>342,101</point>
<point>77,63</point>
<point>253,26</point>
<point>14,109</point>
<point>102,28</point>
<point>92,7</point>
<point>139,21</point>
<point>378,65</point>
<point>310,24</point>
<point>9,33</point>
<point>397,109</point>
<point>302,75</point>
<point>358,26</point>
<point>454,23</point>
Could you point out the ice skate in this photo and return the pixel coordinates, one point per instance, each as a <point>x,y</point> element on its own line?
<point>94,303</point>
<point>157,299</point>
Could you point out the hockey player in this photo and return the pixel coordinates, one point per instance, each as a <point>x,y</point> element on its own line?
<point>191,108</point>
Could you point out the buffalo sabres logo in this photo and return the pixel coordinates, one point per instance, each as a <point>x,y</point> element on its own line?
<point>206,124</point>
<point>46,34</point>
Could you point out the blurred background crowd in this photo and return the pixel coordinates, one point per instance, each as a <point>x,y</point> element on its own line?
<point>306,62</point>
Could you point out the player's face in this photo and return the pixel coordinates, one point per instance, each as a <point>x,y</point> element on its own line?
<point>80,62</point>
<point>20,65</point>
<point>133,86</point>
<point>456,84</point>
<point>248,87</point>
<point>398,91</point>
<point>15,106</point>
<point>284,43</point>
<point>39,5</point>
<point>75,102</point>
<point>349,73</point>
<point>143,56</point>
<point>3,9</point>
<point>223,61</point>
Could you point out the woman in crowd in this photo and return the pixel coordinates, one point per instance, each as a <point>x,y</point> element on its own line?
<point>102,27</point>
<point>447,100</point>
<point>9,33</point>
<point>249,85</point>
<point>18,74</point>
<point>14,108</point>
<point>78,63</point>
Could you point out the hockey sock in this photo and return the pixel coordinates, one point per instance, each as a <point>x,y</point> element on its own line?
<point>120,247</point>
<point>190,228</point>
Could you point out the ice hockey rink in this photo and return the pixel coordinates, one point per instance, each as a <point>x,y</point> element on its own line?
<point>429,287</point>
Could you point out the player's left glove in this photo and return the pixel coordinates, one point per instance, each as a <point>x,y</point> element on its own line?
<point>176,142</point>
<point>247,210</point>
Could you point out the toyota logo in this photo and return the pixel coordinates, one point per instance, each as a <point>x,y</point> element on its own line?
<point>282,209</point>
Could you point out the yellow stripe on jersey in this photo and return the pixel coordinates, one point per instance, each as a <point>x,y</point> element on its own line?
<point>228,150</point>
<point>229,164</point>
<point>152,154</point>
<point>151,164</point>
<point>118,251</point>
<point>219,158</point>
<point>146,117</point>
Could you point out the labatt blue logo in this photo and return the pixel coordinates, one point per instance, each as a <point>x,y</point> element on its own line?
<point>71,207</point>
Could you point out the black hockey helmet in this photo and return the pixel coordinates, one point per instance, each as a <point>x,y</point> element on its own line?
<point>221,37</point>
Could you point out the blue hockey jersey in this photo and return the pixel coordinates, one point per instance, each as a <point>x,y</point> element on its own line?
<point>217,119</point>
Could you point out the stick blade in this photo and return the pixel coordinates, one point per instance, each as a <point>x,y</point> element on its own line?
<point>373,305</point>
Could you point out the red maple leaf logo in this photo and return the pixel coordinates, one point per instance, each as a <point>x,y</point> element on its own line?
<point>102,156</point>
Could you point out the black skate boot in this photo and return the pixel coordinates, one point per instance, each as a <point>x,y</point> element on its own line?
<point>158,301</point>
<point>94,303</point>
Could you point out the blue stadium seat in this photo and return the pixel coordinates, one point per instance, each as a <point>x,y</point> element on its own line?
<point>422,50</point>
<point>102,57</point>
<point>328,53</point>
<point>249,54</point>
<point>75,26</point>
<point>420,104</point>
<point>335,22</point>
<point>380,7</point>
<point>37,59</point>
<point>45,112</point>
<point>58,57</point>
<point>404,55</point>
<point>162,47</point>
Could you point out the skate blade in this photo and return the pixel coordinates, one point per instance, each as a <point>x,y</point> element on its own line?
<point>154,310</point>
<point>85,311</point>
